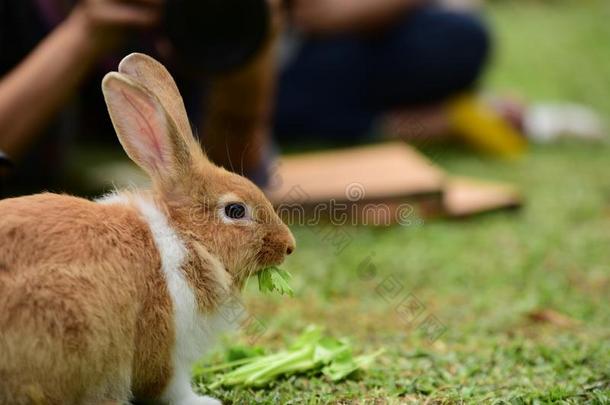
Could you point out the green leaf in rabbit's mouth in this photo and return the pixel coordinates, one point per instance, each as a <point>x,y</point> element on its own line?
<point>274,279</point>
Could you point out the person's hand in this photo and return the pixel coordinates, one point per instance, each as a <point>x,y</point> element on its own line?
<point>105,21</point>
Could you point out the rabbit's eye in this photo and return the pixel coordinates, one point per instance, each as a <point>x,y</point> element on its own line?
<point>235,211</point>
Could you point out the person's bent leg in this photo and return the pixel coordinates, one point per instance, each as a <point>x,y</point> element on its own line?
<point>322,92</point>
<point>431,55</point>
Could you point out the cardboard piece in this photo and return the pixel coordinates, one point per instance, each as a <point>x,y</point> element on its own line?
<point>392,171</point>
<point>376,185</point>
<point>464,197</point>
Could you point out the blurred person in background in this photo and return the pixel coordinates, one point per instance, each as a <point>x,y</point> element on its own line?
<point>48,52</point>
<point>408,69</point>
<point>53,55</point>
<point>355,60</point>
<point>345,66</point>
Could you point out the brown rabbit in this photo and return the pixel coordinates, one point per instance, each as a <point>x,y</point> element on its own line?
<point>107,301</point>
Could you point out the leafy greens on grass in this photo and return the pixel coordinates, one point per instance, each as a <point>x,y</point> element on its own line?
<point>275,279</point>
<point>311,352</point>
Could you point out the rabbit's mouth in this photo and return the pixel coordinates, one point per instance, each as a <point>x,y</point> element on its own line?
<point>268,258</point>
<point>272,253</point>
<point>245,274</point>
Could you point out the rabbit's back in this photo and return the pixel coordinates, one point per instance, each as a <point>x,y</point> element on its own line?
<point>61,229</point>
<point>74,277</point>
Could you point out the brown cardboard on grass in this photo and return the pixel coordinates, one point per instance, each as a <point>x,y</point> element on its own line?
<point>392,174</point>
<point>386,171</point>
<point>464,197</point>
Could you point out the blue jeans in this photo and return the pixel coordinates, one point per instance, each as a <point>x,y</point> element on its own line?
<point>335,87</point>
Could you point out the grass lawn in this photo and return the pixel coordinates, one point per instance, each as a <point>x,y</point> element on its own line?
<point>479,279</point>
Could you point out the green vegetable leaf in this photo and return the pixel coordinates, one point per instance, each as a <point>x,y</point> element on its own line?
<point>244,352</point>
<point>311,352</point>
<point>340,367</point>
<point>275,279</point>
<point>311,335</point>
<point>344,365</point>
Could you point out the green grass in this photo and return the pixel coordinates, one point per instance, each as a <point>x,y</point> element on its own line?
<point>481,277</point>
<point>553,49</point>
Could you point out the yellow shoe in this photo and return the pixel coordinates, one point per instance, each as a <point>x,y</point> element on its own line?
<point>483,128</point>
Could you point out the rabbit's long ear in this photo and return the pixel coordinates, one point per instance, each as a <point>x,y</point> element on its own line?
<point>155,77</point>
<point>147,132</point>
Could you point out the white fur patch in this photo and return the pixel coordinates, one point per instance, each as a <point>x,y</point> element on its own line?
<point>112,198</point>
<point>228,197</point>
<point>195,332</point>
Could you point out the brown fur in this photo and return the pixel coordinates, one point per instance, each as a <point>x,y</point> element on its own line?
<point>85,312</point>
<point>81,283</point>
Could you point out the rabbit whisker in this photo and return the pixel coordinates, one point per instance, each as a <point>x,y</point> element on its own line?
<point>229,156</point>
<point>243,154</point>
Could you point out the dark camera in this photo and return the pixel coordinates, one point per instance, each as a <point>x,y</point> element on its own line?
<point>212,36</point>
<point>5,164</point>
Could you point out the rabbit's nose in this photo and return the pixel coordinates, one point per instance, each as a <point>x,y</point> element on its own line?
<point>291,244</point>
